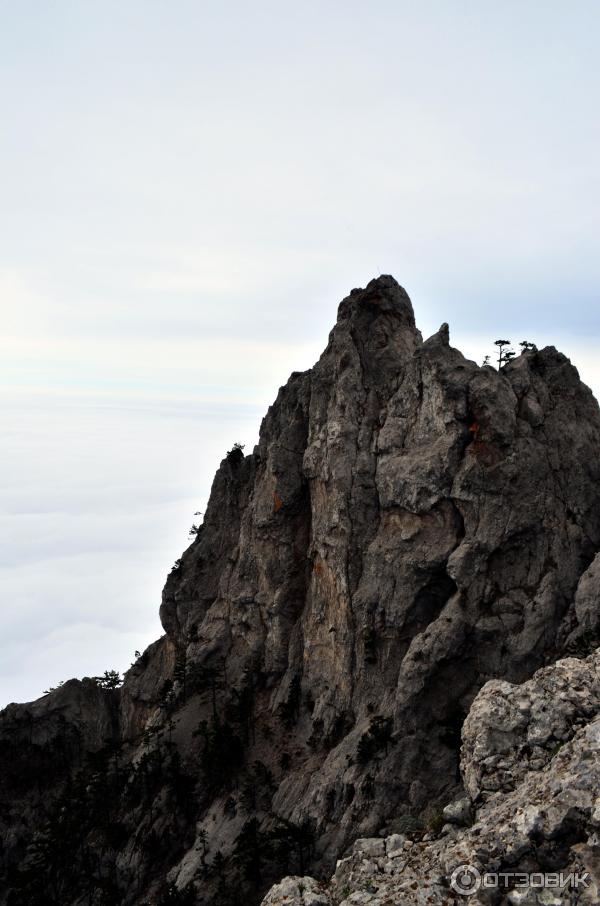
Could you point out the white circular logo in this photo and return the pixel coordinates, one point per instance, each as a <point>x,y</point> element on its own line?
<point>465,880</point>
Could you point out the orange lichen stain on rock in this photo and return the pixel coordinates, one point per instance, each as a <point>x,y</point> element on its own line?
<point>474,430</point>
<point>277,502</point>
<point>482,449</point>
<point>318,568</point>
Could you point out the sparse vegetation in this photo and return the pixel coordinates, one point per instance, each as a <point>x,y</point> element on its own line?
<point>180,673</point>
<point>236,454</point>
<point>222,753</point>
<point>110,680</point>
<point>53,688</point>
<point>505,353</point>
<point>409,825</point>
<point>433,820</point>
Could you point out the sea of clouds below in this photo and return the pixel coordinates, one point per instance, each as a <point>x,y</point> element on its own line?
<point>98,495</point>
<point>97,505</point>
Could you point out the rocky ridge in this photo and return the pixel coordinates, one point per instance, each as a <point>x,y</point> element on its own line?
<point>530,761</point>
<point>409,527</point>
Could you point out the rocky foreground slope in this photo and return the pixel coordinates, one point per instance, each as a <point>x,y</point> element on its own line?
<point>531,768</point>
<point>409,526</point>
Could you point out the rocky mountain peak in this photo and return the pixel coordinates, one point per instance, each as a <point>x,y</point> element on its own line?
<point>383,295</point>
<point>409,526</point>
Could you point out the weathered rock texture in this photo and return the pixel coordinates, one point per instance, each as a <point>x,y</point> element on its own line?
<point>409,526</point>
<point>532,814</point>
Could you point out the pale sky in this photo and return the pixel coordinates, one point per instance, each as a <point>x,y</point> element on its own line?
<point>188,190</point>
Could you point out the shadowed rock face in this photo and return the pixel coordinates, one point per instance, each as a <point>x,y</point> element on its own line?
<point>530,762</point>
<point>409,526</point>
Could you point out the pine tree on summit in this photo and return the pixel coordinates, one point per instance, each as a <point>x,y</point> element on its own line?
<point>503,356</point>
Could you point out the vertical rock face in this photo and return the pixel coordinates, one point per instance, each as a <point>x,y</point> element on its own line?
<point>409,526</point>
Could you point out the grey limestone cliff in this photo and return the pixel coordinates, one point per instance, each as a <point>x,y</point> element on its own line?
<point>409,527</point>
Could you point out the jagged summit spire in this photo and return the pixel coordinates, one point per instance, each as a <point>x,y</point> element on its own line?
<point>383,294</point>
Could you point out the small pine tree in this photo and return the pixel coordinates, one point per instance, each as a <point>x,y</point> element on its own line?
<point>293,843</point>
<point>180,673</point>
<point>249,852</point>
<point>110,680</point>
<point>236,454</point>
<point>502,354</point>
